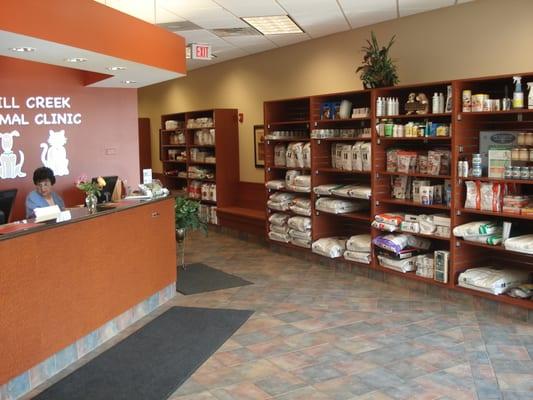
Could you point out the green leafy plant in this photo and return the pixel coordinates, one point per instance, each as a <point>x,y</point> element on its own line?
<point>186,213</point>
<point>378,69</point>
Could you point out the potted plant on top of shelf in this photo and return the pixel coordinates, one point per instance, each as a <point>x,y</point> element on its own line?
<point>378,69</point>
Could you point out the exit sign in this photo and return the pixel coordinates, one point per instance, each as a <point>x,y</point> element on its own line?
<point>201,51</point>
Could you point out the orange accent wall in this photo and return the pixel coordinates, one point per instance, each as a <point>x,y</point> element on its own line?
<point>90,25</point>
<point>109,121</point>
<point>60,284</point>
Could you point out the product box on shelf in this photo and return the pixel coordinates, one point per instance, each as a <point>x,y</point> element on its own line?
<point>498,160</point>
<point>495,139</point>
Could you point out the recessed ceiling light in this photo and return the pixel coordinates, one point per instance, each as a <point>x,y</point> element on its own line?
<point>22,49</point>
<point>129,82</point>
<point>75,59</point>
<point>116,68</point>
<point>273,25</point>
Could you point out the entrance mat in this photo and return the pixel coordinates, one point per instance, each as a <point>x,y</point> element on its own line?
<point>153,362</point>
<point>199,278</point>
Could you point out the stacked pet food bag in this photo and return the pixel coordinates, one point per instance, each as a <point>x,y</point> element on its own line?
<point>495,278</point>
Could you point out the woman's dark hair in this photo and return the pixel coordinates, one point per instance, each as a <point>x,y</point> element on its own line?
<point>43,174</point>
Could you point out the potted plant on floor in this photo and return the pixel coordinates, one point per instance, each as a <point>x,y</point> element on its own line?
<point>378,69</point>
<point>187,219</point>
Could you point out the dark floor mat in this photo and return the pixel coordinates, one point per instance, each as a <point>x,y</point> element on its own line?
<point>199,278</point>
<point>153,362</point>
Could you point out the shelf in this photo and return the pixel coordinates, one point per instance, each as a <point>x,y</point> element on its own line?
<point>506,112</point>
<point>412,275</point>
<point>424,235</point>
<point>287,191</point>
<point>203,179</point>
<point>498,180</point>
<point>361,216</point>
<point>199,128</point>
<point>502,298</point>
<point>172,130</point>
<point>415,116</point>
<point>174,161</point>
<point>424,139</point>
<point>281,123</point>
<point>173,145</point>
<point>418,175</point>
<point>202,163</point>
<point>305,139</point>
<point>495,214</point>
<point>274,167</point>
<point>343,139</point>
<point>288,212</point>
<point>491,247</point>
<point>340,171</point>
<point>413,204</point>
<point>333,121</point>
<point>210,146</point>
<point>175,177</point>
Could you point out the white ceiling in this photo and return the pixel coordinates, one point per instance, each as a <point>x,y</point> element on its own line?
<point>316,17</point>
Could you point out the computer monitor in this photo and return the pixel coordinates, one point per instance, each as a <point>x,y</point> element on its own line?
<point>107,192</point>
<point>7,199</point>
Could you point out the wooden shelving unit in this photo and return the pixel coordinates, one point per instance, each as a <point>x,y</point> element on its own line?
<point>225,149</point>
<point>463,141</point>
<point>468,125</point>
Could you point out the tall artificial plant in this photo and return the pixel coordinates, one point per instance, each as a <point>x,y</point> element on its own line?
<point>378,69</point>
<point>186,213</point>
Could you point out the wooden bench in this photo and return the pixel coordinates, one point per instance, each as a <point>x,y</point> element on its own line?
<point>248,213</point>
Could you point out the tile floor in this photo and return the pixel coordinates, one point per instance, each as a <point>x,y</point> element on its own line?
<point>320,333</point>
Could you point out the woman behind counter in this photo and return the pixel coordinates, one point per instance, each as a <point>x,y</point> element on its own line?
<point>42,196</point>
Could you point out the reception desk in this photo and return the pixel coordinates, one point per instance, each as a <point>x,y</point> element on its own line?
<point>63,285</point>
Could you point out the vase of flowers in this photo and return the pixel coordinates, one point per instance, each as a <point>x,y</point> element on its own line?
<point>91,189</point>
<point>187,219</point>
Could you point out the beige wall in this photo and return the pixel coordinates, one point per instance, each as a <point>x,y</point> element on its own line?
<point>485,37</point>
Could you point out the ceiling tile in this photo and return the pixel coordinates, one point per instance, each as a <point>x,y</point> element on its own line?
<point>410,7</point>
<point>142,9</point>
<point>251,44</point>
<point>316,17</point>
<point>253,8</point>
<point>163,16</point>
<point>288,39</point>
<point>367,12</point>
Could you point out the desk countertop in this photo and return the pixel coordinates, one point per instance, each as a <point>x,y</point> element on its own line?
<point>78,214</point>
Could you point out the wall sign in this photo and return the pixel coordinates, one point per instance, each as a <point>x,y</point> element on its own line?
<point>51,111</point>
<point>201,51</point>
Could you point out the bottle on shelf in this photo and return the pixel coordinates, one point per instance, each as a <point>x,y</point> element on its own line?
<point>506,101</point>
<point>518,95</point>
<point>379,106</point>
<point>435,103</point>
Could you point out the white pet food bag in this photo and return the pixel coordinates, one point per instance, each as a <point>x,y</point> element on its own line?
<point>357,158</point>
<point>332,247</point>
<point>290,157</point>
<point>366,154</point>
<point>307,155</point>
<point>280,155</point>
<point>359,243</point>
<point>298,152</point>
<point>302,224</point>
<point>346,158</point>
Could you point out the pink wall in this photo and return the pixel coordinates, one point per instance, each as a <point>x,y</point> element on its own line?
<point>104,143</point>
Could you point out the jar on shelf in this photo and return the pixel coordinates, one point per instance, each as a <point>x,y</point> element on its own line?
<point>515,153</point>
<point>508,174</point>
<point>524,173</point>
<point>516,172</point>
<point>523,154</point>
<point>531,154</point>
<point>529,139</point>
<point>521,140</point>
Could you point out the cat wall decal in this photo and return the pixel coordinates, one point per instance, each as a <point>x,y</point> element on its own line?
<point>54,154</point>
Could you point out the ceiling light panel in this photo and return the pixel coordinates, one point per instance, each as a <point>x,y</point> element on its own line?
<point>141,9</point>
<point>316,17</point>
<point>410,7</point>
<point>273,25</point>
<point>251,8</point>
<point>367,12</point>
